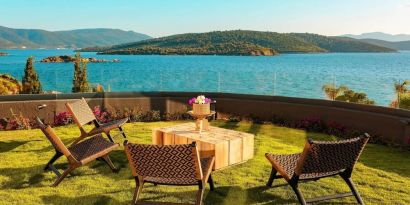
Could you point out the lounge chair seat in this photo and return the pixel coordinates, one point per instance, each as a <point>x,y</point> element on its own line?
<point>289,162</point>
<point>91,148</point>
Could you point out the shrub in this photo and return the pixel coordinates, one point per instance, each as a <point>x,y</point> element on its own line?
<point>14,124</point>
<point>176,116</point>
<point>311,124</point>
<point>102,115</point>
<point>63,118</point>
<point>234,118</point>
<point>253,118</point>
<point>136,116</point>
<point>152,116</point>
<point>336,129</point>
<point>276,120</point>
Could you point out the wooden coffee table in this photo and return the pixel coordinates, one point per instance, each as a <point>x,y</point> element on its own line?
<point>228,146</point>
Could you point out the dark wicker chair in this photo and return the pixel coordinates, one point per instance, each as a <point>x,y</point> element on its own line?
<point>82,115</point>
<point>177,165</point>
<point>78,154</point>
<point>319,160</point>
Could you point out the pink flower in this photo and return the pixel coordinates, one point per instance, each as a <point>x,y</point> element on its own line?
<point>199,100</point>
<point>191,101</point>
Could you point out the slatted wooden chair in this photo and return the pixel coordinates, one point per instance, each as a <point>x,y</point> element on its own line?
<point>79,154</point>
<point>319,160</point>
<point>82,115</point>
<point>177,165</point>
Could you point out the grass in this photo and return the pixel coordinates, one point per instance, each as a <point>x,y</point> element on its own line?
<point>382,174</point>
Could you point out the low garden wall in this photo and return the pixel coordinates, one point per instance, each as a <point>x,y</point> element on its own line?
<point>390,125</point>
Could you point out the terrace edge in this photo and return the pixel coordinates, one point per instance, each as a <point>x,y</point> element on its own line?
<point>392,124</point>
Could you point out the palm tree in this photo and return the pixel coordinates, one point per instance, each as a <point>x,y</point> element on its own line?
<point>332,92</point>
<point>400,89</point>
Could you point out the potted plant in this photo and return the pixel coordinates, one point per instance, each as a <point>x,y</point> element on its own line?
<point>200,105</point>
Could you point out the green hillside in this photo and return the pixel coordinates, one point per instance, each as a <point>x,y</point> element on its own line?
<point>400,45</point>
<point>243,43</point>
<point>340,44</point>
<point>36,38</point>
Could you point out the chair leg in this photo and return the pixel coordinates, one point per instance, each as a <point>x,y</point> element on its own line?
<point>109,137</point>
<point>211,182</point>
<point>353,189</point>
<point>199,196</point>
<point>122,132</point>
<point>137,191</point>
<point>63,175</point>
<point>272,177</point>
<point>299,195</point>
<point>108,161</point>
<point>52,160</point>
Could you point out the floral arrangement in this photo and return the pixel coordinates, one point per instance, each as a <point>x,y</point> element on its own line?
<point>201,99</point>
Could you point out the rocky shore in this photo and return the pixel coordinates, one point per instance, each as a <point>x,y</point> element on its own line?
<point>3,54</point>
<point>66,59</point>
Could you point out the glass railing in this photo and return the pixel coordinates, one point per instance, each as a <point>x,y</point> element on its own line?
<point>293,75</point>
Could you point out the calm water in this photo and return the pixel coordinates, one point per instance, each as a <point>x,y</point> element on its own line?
<point>296,75</point>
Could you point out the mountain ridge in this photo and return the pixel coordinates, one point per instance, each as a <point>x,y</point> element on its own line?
<point>380,36</point>
<point>78,38</point>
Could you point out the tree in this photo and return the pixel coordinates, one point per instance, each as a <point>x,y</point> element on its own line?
<point>31,83</point>
<point>332,92</point>
<point>405,101</point>
<point>80,82</point>
<point>354,97</point>
<point>400,89</point>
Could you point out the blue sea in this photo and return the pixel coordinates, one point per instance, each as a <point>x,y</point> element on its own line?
<point>295,75</point>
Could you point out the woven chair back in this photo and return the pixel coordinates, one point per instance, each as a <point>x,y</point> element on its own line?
<point>324,157</point>
<point>81,112</point>
<point>164,161</point>
<point>53,138</point>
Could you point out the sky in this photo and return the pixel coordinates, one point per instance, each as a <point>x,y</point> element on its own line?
<point>166,17</point>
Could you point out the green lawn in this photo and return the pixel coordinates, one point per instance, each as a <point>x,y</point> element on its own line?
<point>382,174</point>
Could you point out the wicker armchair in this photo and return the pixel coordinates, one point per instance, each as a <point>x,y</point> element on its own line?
<point>82,115</point>
<point>319,160</point>
<point>78,154</point>
<point>177,165</point>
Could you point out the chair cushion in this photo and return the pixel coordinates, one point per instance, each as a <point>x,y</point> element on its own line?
<point>91,148</point>
<point>288,163</point>
<point>205,166</point>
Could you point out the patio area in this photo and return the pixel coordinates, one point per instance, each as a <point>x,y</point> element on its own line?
<point>382,174</point>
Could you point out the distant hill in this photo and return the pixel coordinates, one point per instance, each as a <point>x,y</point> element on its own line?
<point>400,45</point>
<point>381,36</point>
<point>36,38</point>
<point>340,44</point>
<point>240,42</point>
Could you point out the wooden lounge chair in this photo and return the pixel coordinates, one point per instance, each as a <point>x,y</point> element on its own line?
<point>82,115</point>
<point>177,165</point>
<point>79,154</point>
<point>319,160</point>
